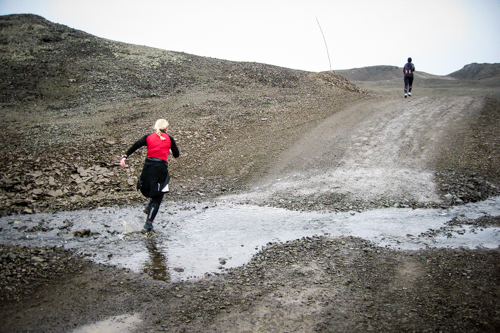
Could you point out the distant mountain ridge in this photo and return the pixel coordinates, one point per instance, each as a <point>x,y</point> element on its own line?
<point>477,71</point>
<point>472,71</point>
<point>372,73</point>
<point>379,73</point>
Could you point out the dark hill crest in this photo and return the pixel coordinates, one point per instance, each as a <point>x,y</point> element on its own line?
<point>379,73</point>
<point>46,61</point>
<point>477,71</point>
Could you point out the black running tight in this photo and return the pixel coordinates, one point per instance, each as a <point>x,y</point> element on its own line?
<point>154,206</point>
<point>408,83</point>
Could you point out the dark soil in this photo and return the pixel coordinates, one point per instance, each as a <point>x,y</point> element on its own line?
<point>312,284</point>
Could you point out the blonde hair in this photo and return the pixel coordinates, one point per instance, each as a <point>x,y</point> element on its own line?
<point>161,124</point>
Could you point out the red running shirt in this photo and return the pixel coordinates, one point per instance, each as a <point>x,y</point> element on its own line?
<point>157,147</point>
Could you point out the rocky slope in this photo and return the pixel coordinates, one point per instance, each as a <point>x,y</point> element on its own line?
<point>72,103</point>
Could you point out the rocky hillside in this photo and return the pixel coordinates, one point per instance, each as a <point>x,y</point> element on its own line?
<point>72,103</point>
<point>477,71</point>
<point>48,62</point>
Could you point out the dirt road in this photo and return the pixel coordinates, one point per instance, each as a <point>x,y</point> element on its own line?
<point>385,150</point>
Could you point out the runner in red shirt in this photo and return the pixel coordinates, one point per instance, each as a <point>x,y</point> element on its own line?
<point>154,178</point>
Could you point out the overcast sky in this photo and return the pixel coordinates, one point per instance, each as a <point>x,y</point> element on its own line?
<point>440,35</point>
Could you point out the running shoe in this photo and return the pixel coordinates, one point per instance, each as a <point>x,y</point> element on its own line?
<point>148,227</point>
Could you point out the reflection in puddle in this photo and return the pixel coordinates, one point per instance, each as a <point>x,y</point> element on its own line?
<point>156,267</point>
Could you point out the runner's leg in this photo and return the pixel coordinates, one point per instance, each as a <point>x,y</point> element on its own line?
<point>154,205</point>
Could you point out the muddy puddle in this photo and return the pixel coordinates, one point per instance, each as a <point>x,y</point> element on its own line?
<point>118,324</point>
<point>192,240</point>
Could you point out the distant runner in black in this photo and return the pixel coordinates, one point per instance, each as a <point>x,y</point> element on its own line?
<point>154,178</point>
<point>408,70</point>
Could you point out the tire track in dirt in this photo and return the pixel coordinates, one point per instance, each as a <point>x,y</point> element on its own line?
<point>378,149</point>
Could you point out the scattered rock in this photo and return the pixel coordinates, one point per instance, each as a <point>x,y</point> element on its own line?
<point>82,233</point>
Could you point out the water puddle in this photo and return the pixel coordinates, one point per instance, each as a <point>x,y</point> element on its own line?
<point>200,238</point>
<point>118,324</point>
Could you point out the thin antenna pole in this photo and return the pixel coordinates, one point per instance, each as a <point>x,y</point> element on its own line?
<point>327,53</point>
